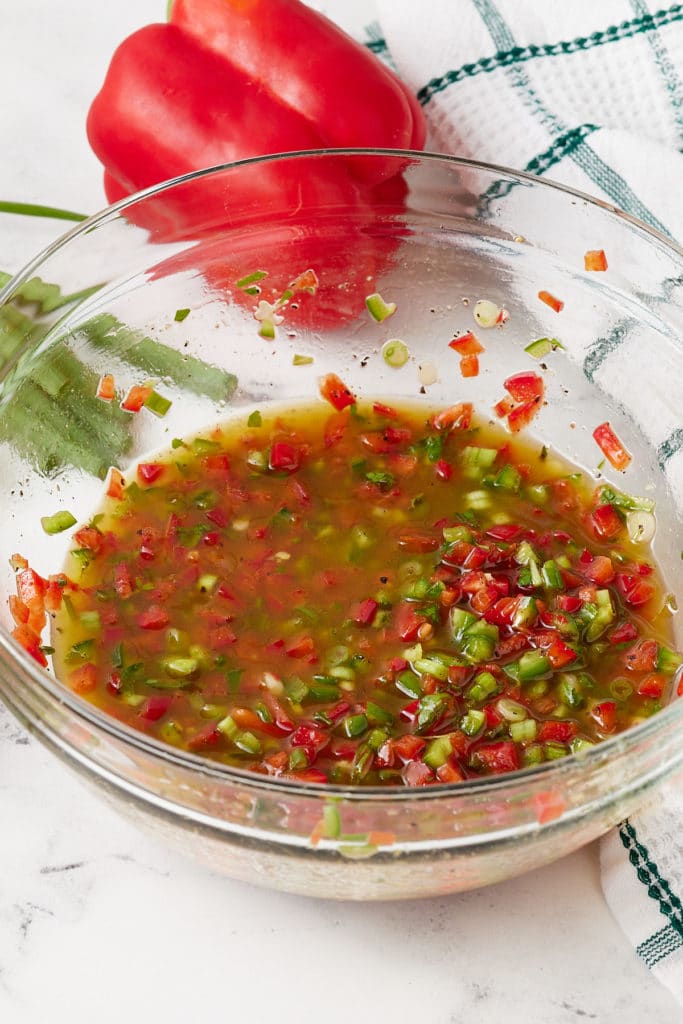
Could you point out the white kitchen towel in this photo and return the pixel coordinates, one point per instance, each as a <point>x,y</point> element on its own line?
<point>590,94</point>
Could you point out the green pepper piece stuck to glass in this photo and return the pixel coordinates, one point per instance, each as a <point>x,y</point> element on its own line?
<point>543,347</point>
<point>58,522</point>
<point>378,309</point>
<point>181,314</point>
<point>395,353</point>
<point>157,404</point>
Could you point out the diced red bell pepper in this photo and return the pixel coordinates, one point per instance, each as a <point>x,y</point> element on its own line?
<point>469,366</point>
<point>417,773</point>
<point>525,386</point>
<point>89,537</point>
<point>277,710</point>
<point>30,641</point>
<point>216,465</point>
<point>148,472</point>
<point>334,390</point>
<point>84,678</point>
<point>450,771</point>
<point>18,610</point>
<point>285,457</point>
<point>595,259</point>
<point>550,300</point>
<point>155,707</point>
<point>418,543</point>
<point>498,757</point>
<point>457,417</point>
<point>407,622</point>
<point>503,611</point>
<point>549,805</point>
<point>123,581</point>
<point>363,614</point>
<point>311,737</point>
<point>522,415</point>
<point>207,737</point>
<point>506,532</point>
<point>600,570</point>
<point>380,409</point>
<point>315,775</point>
<point>568,603</point>
<point>302,647</point>
<point>404,464</point>
<point>623,633</point>
<point>466,344</point>
<point>652,685</point>
<point>503,407</point>
<point>443,469</point>
<point>105,388</point>
<point>611,447</point>
<point>605,715</point>
<point>560,654</point>
<point>136,397</point>
<point>154,617</point>
<point>557,731</point>
<point>31,588</point>
<point>408,747</point>
<point>116,484</point>
<point>642,657</point>
<point>607,523</point>
<point>245,718</point>
<point>635,590</point>
<point>219,637</point>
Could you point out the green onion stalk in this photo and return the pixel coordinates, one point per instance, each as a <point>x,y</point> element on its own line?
<point>51,413</point>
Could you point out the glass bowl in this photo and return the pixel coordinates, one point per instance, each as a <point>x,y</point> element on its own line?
<point>433,234</point>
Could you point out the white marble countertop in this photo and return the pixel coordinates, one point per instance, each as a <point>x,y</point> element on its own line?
<point>98,922</point>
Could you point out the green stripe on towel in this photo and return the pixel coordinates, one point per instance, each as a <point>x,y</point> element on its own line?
<point>522,54</point>
<point>659,946</point>
<point>658,889</point>
<point>604,176</point>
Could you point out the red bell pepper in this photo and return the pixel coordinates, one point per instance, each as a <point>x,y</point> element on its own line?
<point>231,79</point>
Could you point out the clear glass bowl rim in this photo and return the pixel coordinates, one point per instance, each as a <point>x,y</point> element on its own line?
<point>90,715</point>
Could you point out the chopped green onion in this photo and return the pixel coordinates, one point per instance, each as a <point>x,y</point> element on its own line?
<point>378,309</point>
<point>257,275</point>
<point>438,751</point>
<point>552,578</point>
<point>90,620</point>
<point>181,668</point>
<point>395,353</point>
<point>511,710</point>
<point>484,686</point>
<point>157,404</point>
<point>508,479</point>
<point>58,522</point>
<point>532,664</point>
<point>472,722</point>
<point>255,419</point>
<point>523,731</point>
<point>430,709</point>
<point>331,822</point>
<point>409,684</point>
<point>355,725</point>
<point>181,314</point>
<point>542,347</point>
<point>626,501</point>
